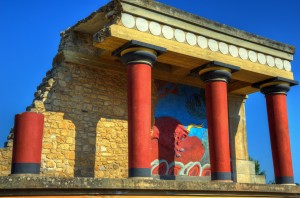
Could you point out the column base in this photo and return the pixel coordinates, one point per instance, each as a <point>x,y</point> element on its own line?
<point>139,172</point>
<point>284,180</point>
<point>221,176</point>
<point>25,168</point>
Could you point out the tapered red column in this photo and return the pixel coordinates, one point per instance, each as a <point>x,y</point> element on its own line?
<point>216,76</point>
<point>279,131</point>
<point>139,119</point>
<point>27,146</point>
<point>218,131</point>
<point>139,58</point>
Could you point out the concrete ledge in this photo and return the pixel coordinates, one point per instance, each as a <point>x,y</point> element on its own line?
<point>50,186</point>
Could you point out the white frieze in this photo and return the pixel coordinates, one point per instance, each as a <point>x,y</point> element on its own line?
<point>190,38</point>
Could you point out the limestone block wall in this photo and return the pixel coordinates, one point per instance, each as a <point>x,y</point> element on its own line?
<point>5,160</point>
<point>6,155</point>
<point>85,113</point>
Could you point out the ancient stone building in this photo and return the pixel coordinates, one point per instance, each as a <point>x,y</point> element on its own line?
<point>175,112</point>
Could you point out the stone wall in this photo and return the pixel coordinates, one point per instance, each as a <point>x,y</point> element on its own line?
<point>85,113</point>
<point>6,155</point>
<point>5,161</point>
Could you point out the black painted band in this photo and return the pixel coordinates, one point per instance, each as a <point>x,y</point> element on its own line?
<point>216,75</point>
<point>25,168</point>
<point>284,180</point>
<point>134,43</point>
<point>139,57</point>
<point>231,68</point>
<point>221,176</point>
<point>275,89</point>
<point>139,172</point>
<point>278,80</point>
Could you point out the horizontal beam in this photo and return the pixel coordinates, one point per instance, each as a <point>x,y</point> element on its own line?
<point>241,88</point>
<point>211,29</point>
<point>190,57</point>
<point>113,64</point>
<point>160,71</point>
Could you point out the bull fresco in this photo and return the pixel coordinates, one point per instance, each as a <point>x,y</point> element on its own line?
<point>179,138</point>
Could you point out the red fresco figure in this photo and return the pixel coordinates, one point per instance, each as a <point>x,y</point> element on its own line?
<point>170,143</point>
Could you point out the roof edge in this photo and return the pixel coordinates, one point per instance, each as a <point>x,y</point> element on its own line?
<point>209,24</point>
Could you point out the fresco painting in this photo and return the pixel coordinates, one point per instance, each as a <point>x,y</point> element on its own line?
<point>179,138</point>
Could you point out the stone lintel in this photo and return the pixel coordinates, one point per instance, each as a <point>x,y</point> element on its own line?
<point>276,80</point>
<point>42,186</point>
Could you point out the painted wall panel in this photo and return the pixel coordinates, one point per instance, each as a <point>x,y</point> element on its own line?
<point>179,138</point>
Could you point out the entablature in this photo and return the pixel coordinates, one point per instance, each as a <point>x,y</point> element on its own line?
<point>190,40</point>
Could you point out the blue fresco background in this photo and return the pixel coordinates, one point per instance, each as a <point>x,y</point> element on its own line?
<point>187,105</point>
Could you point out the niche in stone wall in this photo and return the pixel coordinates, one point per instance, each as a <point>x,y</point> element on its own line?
<point>179,137</point>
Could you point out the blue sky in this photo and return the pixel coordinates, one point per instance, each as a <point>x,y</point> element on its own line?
<point>29,40</point>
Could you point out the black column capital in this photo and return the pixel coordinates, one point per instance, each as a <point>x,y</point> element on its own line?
<point>215,71</point>
<point>138,52</point>
<point>277,85</point>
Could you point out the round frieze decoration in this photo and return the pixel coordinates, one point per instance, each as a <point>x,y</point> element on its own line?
<point>270,61</point>
<point>142,24</point>
<point>287,65</point>
<point>243,53</point>
<point>213,45</point>
<point>278,63</point>
<point>233,50</point>
<point>168,32</point>
<point>223,48</point>
<point>155,28</point>
<point>191,38</point>
<point>261,58</point>
<point>252,56</point>
<point>202,42</point>
<point>179,35</point>
<point>127,20</point>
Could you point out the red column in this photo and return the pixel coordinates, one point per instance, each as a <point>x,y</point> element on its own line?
<point>218,131</point>
<point>280,140</point>
<point>139,58</point>
<point>216,76</point>
<point>139,119</point>
<point>27,146</point>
